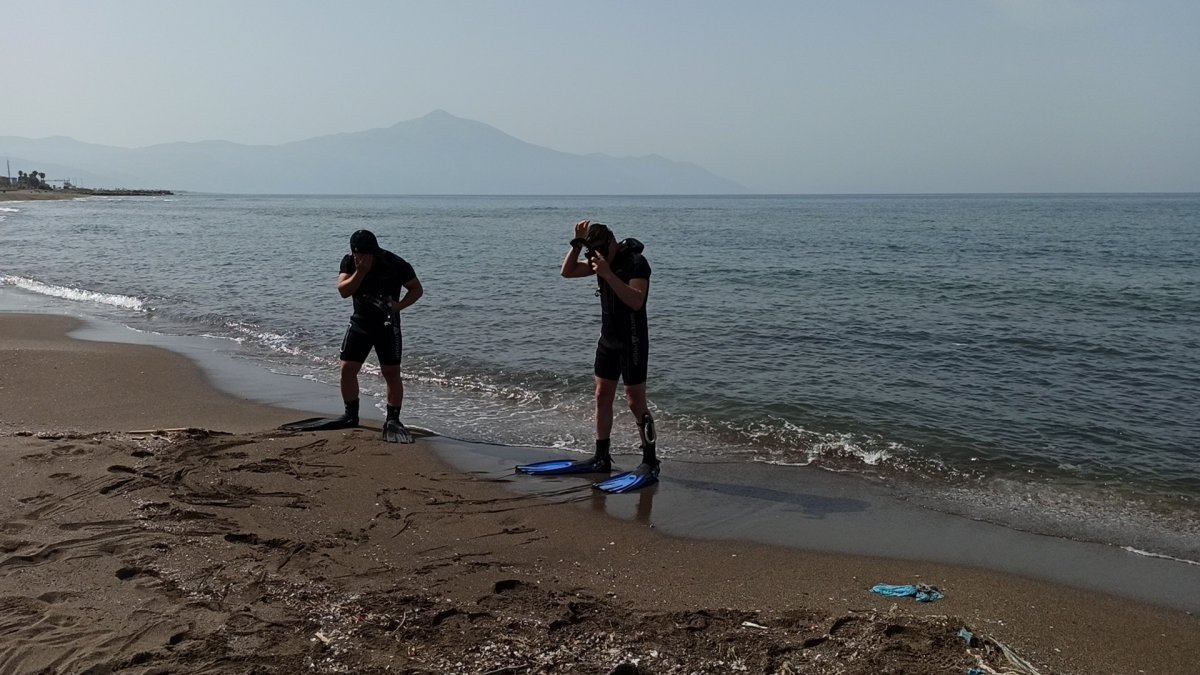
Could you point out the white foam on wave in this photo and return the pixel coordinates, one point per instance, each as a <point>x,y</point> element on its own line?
<point>9,209</point>
<point>1149,554</point>
<point>845,446</point>
<point>809,447</point>
<point>273,341</point>
<point>517,392</point>
<point>73,294</point>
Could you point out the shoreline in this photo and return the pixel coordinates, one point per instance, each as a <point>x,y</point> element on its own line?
<point>816,511</point>
<point>341,515</point>
<point>75,193</point>
<point>34,195</point>
<point>1024,508</point>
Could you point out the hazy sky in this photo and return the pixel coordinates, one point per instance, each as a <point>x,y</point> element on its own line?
<point>781,96</point>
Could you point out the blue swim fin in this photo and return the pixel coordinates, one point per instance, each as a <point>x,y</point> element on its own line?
<point>644,475</point>
<point>562,467</point>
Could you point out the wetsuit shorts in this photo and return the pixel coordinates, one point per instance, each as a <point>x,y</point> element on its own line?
<point>384,338</point>
<point>623,360</point>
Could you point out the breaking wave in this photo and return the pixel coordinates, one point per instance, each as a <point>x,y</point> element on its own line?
<point>73,294</point>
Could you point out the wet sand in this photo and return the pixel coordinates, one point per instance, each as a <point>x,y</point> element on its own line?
<point>227,546</point>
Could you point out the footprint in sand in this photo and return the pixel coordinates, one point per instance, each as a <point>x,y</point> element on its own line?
<point>55,597</point>
<point>10,545</point>
<point>505,585</point>
<point>127,573</point>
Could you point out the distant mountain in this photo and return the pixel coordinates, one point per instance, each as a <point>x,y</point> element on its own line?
<point>435,154</point>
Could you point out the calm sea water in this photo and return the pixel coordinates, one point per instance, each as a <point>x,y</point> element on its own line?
<point>1033,360</point>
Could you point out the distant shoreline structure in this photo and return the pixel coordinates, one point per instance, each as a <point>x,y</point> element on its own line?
<point>119,192</point>
<point>8,194</point>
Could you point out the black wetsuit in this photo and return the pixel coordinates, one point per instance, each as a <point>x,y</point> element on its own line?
<point>373,324</point>
<point>624,345</point>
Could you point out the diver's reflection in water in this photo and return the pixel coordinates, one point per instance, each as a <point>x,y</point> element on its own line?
<point>645,503</point>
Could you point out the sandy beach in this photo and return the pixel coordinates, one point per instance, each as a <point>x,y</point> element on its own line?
<point>151,523</point>
<point>27,195</point>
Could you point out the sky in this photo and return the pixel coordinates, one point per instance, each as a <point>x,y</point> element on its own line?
<point>782,96</point>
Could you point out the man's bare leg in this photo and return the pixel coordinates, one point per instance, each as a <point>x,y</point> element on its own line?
<point>606,391</point>
<point>635,396</point>
<point>395,385</point>
<point>349,387</point>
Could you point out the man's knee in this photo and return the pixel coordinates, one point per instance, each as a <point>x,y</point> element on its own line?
<point>351,368</point>
<point>605,390</point>
<point>635,396</point>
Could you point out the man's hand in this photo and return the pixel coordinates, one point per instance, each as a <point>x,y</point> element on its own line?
<point>363,262</point>
<point>581,229</point>
<point>600,265</point>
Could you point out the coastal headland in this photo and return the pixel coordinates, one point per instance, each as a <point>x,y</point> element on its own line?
<point>76,193</point>
<point>151,523</point>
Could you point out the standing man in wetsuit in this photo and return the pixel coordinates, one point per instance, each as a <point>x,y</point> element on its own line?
<point>623,281</point>
<point>375,279</point>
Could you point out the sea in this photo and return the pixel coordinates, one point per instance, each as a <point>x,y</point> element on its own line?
<point>1027,360</point>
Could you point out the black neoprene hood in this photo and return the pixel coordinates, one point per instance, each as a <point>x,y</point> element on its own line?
<point>364,241</point>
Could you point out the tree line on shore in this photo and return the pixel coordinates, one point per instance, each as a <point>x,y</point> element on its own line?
<point>36,180</point>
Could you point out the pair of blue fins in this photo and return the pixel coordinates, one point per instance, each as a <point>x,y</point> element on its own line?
<point>645,475</point>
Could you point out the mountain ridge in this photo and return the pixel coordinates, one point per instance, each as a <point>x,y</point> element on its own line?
<point>437,153</point>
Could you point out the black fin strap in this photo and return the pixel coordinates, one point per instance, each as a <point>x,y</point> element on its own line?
<point>646,429</point>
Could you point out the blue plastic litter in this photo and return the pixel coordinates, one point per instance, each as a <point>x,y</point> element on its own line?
<point>922,592</point>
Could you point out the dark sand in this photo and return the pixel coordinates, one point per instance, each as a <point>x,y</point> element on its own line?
<point>232,547</point>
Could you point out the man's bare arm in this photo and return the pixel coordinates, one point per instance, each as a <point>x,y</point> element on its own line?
<point>413,291</point>
<point>348,283</point>
<point>633,294</point>
<point>572,266</point>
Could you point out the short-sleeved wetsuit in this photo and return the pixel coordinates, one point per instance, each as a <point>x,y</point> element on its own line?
<point>624,345</point>
<point>373,324</point>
